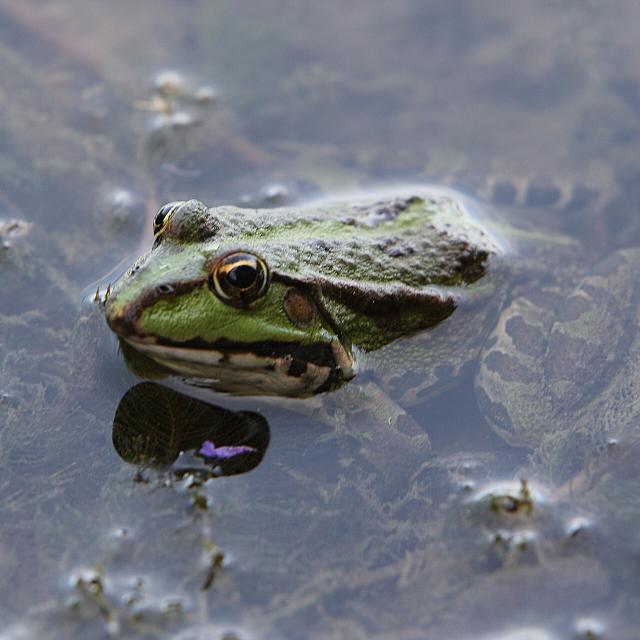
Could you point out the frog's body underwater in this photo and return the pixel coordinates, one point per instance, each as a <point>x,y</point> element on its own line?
<point>286,301</point>
<point>296,301</point>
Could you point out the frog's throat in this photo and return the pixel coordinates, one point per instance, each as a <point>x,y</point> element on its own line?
<point>255,368</point>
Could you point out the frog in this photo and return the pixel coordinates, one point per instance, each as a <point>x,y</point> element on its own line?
<point>407,288</point>
<point>283,301</point>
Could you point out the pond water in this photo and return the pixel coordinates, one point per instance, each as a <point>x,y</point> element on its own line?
<point>320,527</point>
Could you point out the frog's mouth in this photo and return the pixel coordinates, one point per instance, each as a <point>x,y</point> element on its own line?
<point>255,368</point>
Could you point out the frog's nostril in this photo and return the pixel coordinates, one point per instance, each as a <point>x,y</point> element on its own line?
<point>164,290</point>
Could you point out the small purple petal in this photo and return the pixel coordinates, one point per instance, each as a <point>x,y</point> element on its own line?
<point>210,451</point>
<point>224,453</point>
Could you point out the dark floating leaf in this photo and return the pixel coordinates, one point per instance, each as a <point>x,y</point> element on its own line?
<point>153,425</point>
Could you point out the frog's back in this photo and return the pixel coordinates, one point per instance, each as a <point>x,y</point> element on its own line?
<point>417,238</point>
<point>387,265</point>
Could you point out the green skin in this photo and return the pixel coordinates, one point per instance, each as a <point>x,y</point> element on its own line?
<point>548,330</point>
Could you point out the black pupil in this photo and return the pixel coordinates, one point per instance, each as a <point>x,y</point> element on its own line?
<point>162,214</point>
<point>159,219</point>
<point>242,276</point>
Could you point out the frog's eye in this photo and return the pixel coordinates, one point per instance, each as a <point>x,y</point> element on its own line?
<point>238,279</point>
<point>163,216</point>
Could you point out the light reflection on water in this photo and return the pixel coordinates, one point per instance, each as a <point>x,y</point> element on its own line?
<point>316,538</point>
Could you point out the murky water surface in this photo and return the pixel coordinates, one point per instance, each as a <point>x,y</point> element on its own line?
<point>316,528</point>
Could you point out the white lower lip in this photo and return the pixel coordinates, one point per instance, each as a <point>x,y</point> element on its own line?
<point>242,373</point>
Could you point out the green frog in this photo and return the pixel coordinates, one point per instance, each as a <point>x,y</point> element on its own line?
<point>406,290</point>
<point>290,301</point>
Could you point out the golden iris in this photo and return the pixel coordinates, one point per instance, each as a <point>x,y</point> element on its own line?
<point>239,278</point>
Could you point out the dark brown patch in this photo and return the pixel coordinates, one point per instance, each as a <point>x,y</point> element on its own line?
<point>320,354</point>
<point>472,263</point>
<point>373,215</point>
<point>297,367</point>
<point>395,248</point>
<point>381,303</point>
<point>384,301</point>
<point>380,300</point>
<point>299,307</point>
<point>527,338</point>
<point>123,325</point>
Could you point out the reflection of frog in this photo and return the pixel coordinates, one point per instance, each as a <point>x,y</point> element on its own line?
<point>296,301</point>
<point>561,369</point>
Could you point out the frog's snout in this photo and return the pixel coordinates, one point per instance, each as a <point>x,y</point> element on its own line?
<point>121,320</point>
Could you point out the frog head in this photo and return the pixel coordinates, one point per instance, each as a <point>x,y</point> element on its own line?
<point>207,304</point>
